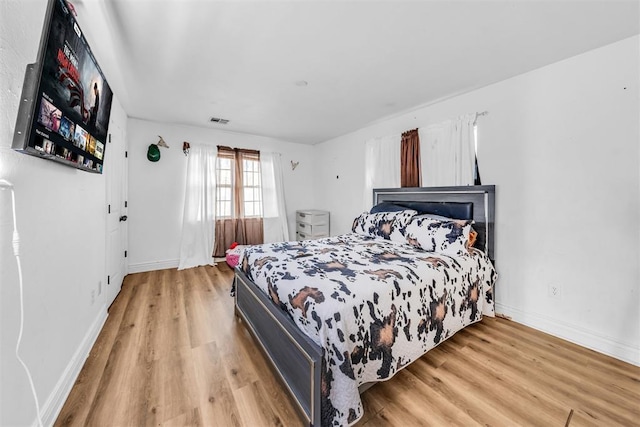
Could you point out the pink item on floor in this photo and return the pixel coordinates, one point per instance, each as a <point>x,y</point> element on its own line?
<point>233,256</point>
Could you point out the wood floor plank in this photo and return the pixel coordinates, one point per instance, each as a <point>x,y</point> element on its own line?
<point>214,391</point>
<point>437,407</point>
<point>278,398</point>
<point>190,418</point>
<point>84,390</point>
<point>253,406</point>
<point>589,358</point>
<point>459,392</point>
<point>559,384</point>
<point>172,353</point>
<point>126,369</point>
<point>174,371</point>
<point>562,355</point>
<point>560,367</point>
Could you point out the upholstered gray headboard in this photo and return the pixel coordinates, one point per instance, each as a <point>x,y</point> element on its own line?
<point>475,202</point>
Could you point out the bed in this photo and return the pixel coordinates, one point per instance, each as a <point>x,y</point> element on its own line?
<point>336,314</point>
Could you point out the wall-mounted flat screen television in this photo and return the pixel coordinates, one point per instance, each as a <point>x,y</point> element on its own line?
<point>66,101</point>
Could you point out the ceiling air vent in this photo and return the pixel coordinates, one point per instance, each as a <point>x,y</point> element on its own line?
<point>219,120</point>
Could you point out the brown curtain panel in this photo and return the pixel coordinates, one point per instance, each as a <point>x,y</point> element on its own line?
<point>410,159</point>
<point>245,231</point>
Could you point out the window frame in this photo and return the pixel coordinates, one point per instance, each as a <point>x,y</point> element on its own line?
<point>240,182</point>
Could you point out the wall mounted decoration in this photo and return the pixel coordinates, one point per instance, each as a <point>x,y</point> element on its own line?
<point>161,143</point>
<point>153,153</point>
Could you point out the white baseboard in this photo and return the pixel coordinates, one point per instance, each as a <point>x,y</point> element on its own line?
<point>154,265</point>
<point>574,334</point>
<point>53,405</point>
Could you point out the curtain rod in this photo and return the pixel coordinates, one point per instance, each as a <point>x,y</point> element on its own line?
<point>482,113</point>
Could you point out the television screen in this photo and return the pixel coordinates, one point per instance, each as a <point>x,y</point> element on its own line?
<point>67,100</point>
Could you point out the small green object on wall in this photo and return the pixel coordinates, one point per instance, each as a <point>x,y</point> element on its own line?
<point>153,153</point>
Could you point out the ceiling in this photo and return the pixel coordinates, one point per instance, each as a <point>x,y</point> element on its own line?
<point>186,61</point>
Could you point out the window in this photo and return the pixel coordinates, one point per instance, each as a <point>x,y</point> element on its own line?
<point>224,188</point>
<point>252,188</point>
<point>238,184</point>
<point>448,152</point>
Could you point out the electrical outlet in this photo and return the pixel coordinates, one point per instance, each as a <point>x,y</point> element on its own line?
<point>93,296</point>
<point>554,291</point>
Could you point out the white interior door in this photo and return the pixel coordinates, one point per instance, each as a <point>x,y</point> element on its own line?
<point>115,170</point>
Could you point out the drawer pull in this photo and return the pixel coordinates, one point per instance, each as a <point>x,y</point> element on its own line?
<point>302,215</point>
<point>302,225</point>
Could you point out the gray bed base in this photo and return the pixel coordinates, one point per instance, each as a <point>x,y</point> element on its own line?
<point>296,358</point>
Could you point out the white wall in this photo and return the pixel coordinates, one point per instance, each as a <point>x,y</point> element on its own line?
<point>156,190</point>
<point>61,220</point>
<point>561,144</point>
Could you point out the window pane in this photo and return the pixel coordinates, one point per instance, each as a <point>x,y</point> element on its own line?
<point>224,163</point>
<point>220,209</point>
<point>248,195</point>
<point>225,177</point>
<point>224,183</point>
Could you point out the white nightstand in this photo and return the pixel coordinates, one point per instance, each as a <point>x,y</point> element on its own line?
<point>312,224</point>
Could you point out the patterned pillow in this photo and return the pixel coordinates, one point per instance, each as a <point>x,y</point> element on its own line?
<point>448,236</point>
<point>388,225</point>
<point>473,236</point>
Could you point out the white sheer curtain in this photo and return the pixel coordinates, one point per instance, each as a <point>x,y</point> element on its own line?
<point>447,152</point>
<point>198,222</point>
<point>276,228</point>
<point>381,166</point>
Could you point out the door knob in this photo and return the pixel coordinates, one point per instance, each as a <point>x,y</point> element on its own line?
<point>123,218</point>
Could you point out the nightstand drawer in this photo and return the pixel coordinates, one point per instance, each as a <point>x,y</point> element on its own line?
<point>312,229</point>
<point>300,235</point>
<point>312,217</point>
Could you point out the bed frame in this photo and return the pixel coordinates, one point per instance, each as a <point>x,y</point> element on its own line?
<point>295,357</point>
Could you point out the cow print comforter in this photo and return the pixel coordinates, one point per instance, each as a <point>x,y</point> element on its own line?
<point>373,305</point>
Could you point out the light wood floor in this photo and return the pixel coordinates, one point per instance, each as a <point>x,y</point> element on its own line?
<point>173,353</point>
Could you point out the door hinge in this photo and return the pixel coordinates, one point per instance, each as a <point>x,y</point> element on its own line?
<point>125,203</point>
<point>109,137</point>
<point>109,209</point>
<point>108,280</point>
<point>126,154</point>
<point>125,254</point>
